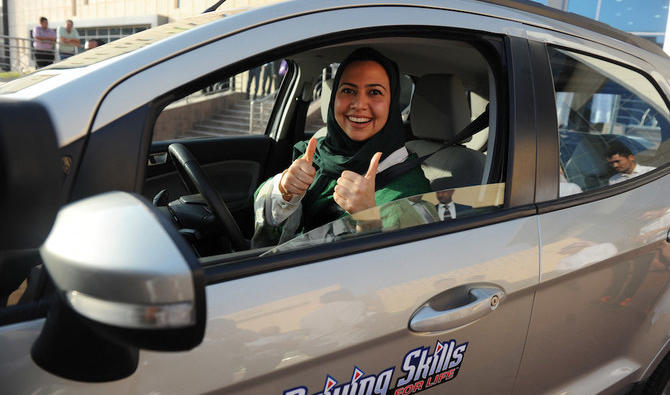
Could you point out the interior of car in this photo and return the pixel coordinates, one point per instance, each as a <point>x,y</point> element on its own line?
<point>224,140</point>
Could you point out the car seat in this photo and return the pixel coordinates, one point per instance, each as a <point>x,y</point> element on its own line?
<point>439,111</point>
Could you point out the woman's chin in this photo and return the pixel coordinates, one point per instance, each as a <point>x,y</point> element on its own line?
<point>359,134</point>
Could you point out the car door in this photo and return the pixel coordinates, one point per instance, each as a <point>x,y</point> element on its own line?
<point>600,319</point>
<point>407,311</point>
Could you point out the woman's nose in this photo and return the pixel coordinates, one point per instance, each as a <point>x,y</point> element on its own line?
<point>358,101</point>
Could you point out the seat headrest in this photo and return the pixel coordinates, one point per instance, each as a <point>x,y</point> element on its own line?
<point>326,89</point>
<point>406,86</point>
<point>439,107</point>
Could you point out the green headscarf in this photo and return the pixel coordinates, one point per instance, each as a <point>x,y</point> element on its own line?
<point>337,152</point>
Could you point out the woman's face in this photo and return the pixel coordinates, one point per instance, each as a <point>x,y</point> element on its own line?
<point>362,100</point>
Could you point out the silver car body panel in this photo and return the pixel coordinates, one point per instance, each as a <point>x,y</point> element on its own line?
<point>602,309</point>
<point>262,330</point>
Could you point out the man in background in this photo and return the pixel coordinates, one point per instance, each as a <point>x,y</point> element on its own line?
<point>623,161</point>
<point>43,42</point>
<point>254,74</point>
<point>447,208</point>
<point>68,40</point>
<point>90,44</point>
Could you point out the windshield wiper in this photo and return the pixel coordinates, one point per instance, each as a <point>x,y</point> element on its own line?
<point>215,6</point>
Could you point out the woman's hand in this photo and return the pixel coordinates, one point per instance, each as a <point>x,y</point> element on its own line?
<point>300,175</point>
<point>355,192</point>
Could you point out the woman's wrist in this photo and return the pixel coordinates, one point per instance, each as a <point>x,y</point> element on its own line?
<point>284,193</point>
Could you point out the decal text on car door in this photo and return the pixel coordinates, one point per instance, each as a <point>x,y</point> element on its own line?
<point>420,370</point>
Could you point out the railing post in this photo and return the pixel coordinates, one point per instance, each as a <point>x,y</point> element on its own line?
<point>251,116</point>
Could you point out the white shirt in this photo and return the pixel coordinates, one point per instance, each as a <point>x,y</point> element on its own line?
<point>637,170</point>
<point>280,209</point>
<point>568,188</point>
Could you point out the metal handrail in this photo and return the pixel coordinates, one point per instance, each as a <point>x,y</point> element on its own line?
<point>17,54</point>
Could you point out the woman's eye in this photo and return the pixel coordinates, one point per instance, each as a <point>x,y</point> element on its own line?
<point>348,91</point>
<point>375,92</point>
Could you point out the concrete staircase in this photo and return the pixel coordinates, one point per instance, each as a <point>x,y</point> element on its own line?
<point>242,118</point>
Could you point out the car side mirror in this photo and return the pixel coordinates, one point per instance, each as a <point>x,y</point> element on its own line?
<point>126,280</point>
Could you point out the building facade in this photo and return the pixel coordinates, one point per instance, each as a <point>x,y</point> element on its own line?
<point>647,19</point>
<point>105,20</point>
<point>114,18</point>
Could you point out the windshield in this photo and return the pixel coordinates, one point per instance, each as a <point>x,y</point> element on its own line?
<point>448,204</point>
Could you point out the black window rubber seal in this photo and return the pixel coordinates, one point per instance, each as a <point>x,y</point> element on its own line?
<point>603,192</point>
<point>218,269</point>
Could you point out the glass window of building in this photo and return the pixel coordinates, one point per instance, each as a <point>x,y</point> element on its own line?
<point>648,21</point>
<point>109,34</point>
<point>587,8</point>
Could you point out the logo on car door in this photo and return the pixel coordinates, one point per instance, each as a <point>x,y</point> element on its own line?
<point>420,368</point>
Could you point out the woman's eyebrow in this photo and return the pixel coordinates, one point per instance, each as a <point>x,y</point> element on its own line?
<point>376,85</point>
<point>367,85</point>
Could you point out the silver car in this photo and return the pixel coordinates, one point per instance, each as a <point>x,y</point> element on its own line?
<point>129,175</point>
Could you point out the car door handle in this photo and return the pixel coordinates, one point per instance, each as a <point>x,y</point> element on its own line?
<point>456,307</point>
<point>158,158</point>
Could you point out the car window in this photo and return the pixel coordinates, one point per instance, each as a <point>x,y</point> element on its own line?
<point>613,124</point>
<point>445,205</point>
<point>235,105</point>
<point>440,97</point>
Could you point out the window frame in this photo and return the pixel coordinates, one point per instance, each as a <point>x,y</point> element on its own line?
<point>511,126</point>
<point>548,150</point>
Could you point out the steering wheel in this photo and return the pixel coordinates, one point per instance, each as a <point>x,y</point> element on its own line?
<point>196,181</point>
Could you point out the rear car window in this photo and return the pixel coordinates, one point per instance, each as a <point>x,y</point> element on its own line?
<point>613,124</point>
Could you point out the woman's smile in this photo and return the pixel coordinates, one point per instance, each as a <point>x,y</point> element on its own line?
<point>361,121</point>
<point>362,100</point>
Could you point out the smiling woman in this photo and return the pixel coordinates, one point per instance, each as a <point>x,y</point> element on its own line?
<point>362,100</point>
<point>336,174</point>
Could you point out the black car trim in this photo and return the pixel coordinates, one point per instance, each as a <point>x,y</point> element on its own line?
<point>546,121</point>
<point>25,312</point>
<point>520,182</point>
<point>604,192</point>
<point>114,157</point>
<point>260,143</point>
<point>220,269</point>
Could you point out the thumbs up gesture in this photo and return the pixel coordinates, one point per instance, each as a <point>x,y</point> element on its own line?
<point>300,175</point>
<point>355,192</point>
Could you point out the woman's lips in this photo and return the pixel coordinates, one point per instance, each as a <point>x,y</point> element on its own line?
<point>358,120</point>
